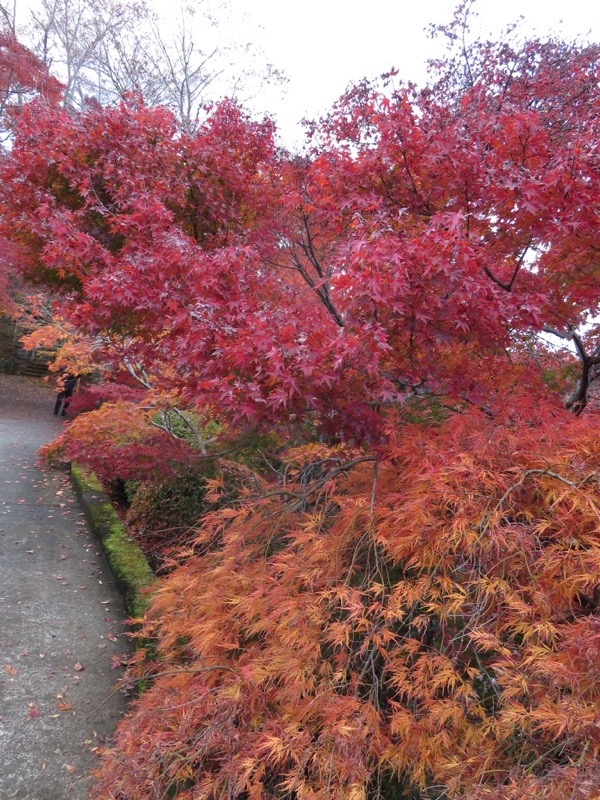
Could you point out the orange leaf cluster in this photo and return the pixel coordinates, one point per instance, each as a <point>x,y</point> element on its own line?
<point>427,625</point>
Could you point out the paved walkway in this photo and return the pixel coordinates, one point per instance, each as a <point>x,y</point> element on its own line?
<point>61,619</point>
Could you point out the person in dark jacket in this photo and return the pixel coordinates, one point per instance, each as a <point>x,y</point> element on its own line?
<point>69,382</point>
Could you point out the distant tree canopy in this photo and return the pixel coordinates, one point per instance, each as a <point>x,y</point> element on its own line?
<point>104,49</point>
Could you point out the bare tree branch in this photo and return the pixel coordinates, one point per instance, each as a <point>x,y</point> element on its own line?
<point>578,399</point>
<point>508,285</point>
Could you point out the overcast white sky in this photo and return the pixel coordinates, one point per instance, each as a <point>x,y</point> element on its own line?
<point>324,44</point>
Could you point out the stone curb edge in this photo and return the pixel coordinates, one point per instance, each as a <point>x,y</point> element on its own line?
<point>129,566</point>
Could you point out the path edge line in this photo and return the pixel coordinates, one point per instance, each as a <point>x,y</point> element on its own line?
<point>133,575</point>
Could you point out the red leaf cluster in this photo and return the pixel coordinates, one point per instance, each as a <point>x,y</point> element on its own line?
<point>119,442</point>
<point>424,237</point>
<point>22,76</point>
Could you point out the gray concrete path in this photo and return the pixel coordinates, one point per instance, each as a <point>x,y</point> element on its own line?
<point>61,619</point>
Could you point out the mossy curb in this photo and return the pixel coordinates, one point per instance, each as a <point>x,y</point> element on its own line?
<point>127,561</point>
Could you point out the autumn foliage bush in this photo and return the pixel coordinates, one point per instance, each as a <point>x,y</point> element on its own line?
<point>119,442</point>
<point>420,625</point>
<point>163,514</point>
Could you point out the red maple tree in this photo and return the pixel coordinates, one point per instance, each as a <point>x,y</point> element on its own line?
<point>22,77</point>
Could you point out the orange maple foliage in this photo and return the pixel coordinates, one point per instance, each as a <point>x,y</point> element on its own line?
<point>425,626</point>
